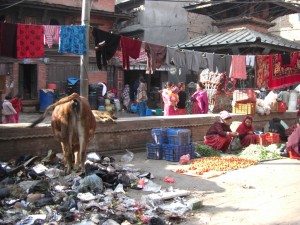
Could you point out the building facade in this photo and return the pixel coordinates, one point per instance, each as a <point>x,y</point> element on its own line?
<point>28,76</point>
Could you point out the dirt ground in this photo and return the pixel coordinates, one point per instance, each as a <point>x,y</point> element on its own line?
<point>264,194</point>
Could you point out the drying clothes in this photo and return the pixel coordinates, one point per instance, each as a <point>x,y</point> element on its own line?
<point>284,76</point>
<point>219,63</point>
<point>238,67</point>
<point>106,45</point>
<point>175,57</point>
<point>228,59</point>
<point>210,61</point>
<point>130,47</point>
<point>156,56</point>
<point>8,35</point>
<point>250,60</point>
<point>262,71</point>
<point>51,35</point>
<point>195,61</point>
<point>72,40</point>
<point>30,41</point>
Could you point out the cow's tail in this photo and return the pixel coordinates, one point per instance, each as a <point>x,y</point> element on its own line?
<point>69,98</point>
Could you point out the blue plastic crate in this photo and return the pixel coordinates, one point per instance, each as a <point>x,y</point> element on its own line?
<point>159,136</point>
<point>174,152</point>
<point>154,151</point>
<point>179,136</point>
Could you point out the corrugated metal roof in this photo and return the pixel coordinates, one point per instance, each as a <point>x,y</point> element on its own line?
<point>243,36</point>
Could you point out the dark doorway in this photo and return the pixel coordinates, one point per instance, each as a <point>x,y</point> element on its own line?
<point>28,81</point>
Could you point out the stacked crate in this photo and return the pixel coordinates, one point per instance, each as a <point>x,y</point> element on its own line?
<point>179,144</point>
<point>170,144</point>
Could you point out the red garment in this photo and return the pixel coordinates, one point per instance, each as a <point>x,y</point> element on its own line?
<point>156,56</point>
<point>130,47</point>
<point>238,67</point>
<point>8,35</point>
<point>243,130</point>
<point>284,76</point>
<point>293,141</point>
<point>262,71</point>
<point>181,111</point>
<point>30,42</point>
<point>217,142</point>
<point>17,104</point>
<point>201,98</point>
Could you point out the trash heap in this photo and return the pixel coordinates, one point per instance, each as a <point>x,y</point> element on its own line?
<point>37,191</point>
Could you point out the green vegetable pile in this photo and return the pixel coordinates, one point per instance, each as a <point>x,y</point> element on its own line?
<point>206,151</point>
<point>261,153</point>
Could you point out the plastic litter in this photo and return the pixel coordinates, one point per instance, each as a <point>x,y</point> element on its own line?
<point>127,157</point>
<point>91,183</point>
<point>185,159</point>
<point>169,179</point>
<point>151,186</point>
<point>31,219</point>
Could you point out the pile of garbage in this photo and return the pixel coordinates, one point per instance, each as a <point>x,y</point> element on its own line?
<point>37,191</point>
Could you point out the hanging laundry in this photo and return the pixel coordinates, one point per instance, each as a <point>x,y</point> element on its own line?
<point>156,56</point>
<point>72,40</point>
<point>228,59</point>
<point>175,57</point>
<point>283,76</point>
<point>262,71</point>
<point>51,35</point>
<point>238,67</point>
<point>219,63</point>
<point>210,61</point>
<point>250,60</point>
<point>8,36</point>
<point>130,48</point>
<point>195,61</point>
<point>106,45</point>
<point>30,41</point>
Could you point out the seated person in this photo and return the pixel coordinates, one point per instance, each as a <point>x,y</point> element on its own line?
<point>275,126</point>
<point>219,135</point>
<point>294,142</point>
<point>246,132</point>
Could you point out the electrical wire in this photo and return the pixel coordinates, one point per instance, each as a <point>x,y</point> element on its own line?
<point>12,5</point>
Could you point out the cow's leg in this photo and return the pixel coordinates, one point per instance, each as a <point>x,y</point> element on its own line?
<point>67,152</point>
<point>76,150</point>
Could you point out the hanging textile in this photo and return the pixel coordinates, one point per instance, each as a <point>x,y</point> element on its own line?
<point>262,71</point>
<point>156,56</point>
<point>130,47</point>
<point>284,76</point>
<point>51,35</point>
<point>195,61</point>
<point>30,41</point>
<point>219,63</point>
<point>106,45</point>
<point>238,67</point>
<point>8,35</point>
<point>175,57</point>
<point>72,40</point>
<point>228,59</point>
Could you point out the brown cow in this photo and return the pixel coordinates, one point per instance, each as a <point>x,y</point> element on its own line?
<point>73,124</point>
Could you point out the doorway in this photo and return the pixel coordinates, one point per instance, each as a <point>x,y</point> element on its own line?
<point>28,81</point>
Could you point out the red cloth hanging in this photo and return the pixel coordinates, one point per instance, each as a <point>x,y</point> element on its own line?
<point>238,67</point>
<point>284,76</point>
<point>30,41</point>
<point>262,71</point>
<point>130,47</point>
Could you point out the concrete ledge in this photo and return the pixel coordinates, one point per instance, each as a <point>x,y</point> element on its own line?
<point>128,133</point>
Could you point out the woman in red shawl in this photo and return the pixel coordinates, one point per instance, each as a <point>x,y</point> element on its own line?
<point>246,132</point>
<point>293,143</point>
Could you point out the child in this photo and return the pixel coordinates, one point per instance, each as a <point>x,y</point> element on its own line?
<point>17,104</point>
<point>174,98</point>
<point>8,111</point>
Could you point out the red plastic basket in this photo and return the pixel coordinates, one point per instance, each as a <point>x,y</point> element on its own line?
<point>272,138</point>
<point>281,107</point>
<point>293,155</point>
<point>261,139</point>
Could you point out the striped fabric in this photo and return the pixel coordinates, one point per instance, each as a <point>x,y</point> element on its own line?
<point>51,34</point>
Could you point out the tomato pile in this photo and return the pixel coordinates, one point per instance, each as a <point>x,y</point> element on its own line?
<point>200,166</point>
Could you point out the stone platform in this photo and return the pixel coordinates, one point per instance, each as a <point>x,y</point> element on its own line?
<point>130,133</point>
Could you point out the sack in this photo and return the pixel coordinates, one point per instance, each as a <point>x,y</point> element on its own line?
<point>235,144</point>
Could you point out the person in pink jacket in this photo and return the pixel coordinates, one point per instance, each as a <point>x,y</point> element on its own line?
<point>200,100</point>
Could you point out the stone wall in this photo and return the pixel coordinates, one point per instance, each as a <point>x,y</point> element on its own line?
<point>128,133</point>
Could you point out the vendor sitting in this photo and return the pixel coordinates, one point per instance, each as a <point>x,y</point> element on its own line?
<point>276,126</point>
<point>246,132</point>
<point>219,135</point>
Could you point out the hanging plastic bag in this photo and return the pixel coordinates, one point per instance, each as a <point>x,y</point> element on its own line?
<point>185,159</point>
<point>235,144</point>
<point>127,157</point>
